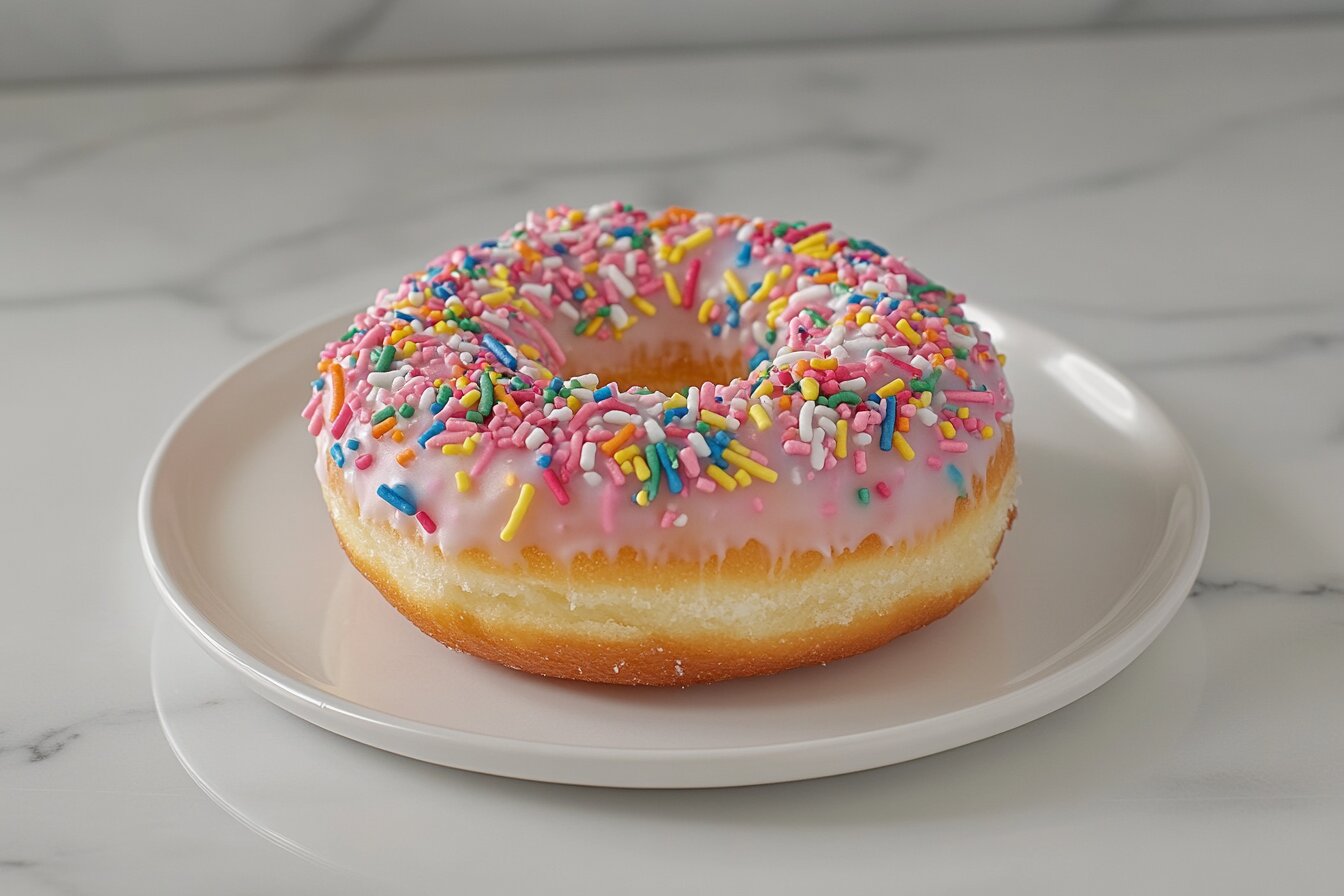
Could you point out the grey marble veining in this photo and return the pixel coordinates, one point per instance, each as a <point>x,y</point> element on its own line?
<point>1164,200</point>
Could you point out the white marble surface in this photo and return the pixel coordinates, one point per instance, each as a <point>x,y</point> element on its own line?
<point>44,40</point>
<point>1170,202</point>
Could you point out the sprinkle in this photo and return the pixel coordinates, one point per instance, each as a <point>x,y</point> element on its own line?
<point>888,423</point>
<point>405,457</point>
<point>426,522</point>
<point>903,447</point>
<point>810,388</point>
<point>746,463</point>
<point>674,484</point>
<point>864,497</point>
<point>963,396</point>
<point>342,421</point>
<point>399,496</point>
<point>555,485</point>
<point>519,511</point>
<point>722,478</point>
<point>735,285</point>
<point>622,436</point>
<point>760,417</point>
<point>670,287</point>
<point>337,390</point>
<point>363,462</point>
<point>338,455</point>
<point>463,479</point>
<point>892,388</point>
<point>841,438</point>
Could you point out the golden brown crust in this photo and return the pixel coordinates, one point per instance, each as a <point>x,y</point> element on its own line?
<point>520,617</point>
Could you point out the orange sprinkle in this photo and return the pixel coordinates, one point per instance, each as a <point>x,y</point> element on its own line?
<point>398,435</point>
<point>381,429</point>
<point>622,436</point>
<point>502,395</point>
<point>405,457</point>
<point>337,390</point>
<point>826,277</point>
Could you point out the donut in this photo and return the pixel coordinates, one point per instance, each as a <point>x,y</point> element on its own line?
<point>666,448</point>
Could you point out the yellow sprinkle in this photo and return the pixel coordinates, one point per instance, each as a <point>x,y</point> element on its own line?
<point>767,283</point>
<point>807,244</point>
<point>697,239</point>
<point>915,315</point>
<point>495,299</point>
<point>705,308</point>
<point>842,438</point>
<point>865,314</point>
<point>810,388</point>
<point>644,305</point>
<point>735,286</point>
<point>628,468</point>
<point>526,306</point>
<point>590,268</point>
<point>511,479</point>
<point>519,511</point>
<point>593,325</point>
<point>908,332</point>
<point>760,471</point>
<point>949,431</point>
<point>398,335</point>
<point>573,402</point>
<point>925,399</point>
<point>642,498</point>
<point>759,415</point>
<point>743,478</point>
<point>529,351</point>
<point>722,478</point>
<point>641,468</point>
<point>964,413</point>
<point>576,215</point>
<point>986,432</point>
<point>463,480</point>
<point>902,446</point>
<point>673,291</point>
<point>765,388</point>
<point>891,388</point>
<point>626,453</point>
<point>469,400</point>
<point>442,327</point>
<point>676,401</point>
<point>714,419</point>
<point>823,363</point>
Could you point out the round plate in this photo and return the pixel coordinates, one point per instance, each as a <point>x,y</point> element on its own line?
<point>1112,525</point>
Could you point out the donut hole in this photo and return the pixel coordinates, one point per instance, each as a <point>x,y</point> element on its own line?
<point>666,354</point>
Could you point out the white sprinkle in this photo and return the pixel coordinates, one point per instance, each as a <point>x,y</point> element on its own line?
<point>588,381</point>
<point>655,432</point>
<point>818,292</point>
<point>790,358</point>
<point>617,276</point>
<point>834,336</point>
<point>678,522</point>
<point>619,418</point>
<point>593,479</point>
<point>818,450</point>
<point>855,385</point>
<point>862,439</point>
<point>698,444</point>
<point>535,439</point>
<point>926,416</point>
<point>562,414</point>
<point>805,420</point>
<point>536,290</point>
<point>693,404</point>
<point>587,455</point>
<point>568,310</point>
<point>618,317</point>
<point>826,426</point>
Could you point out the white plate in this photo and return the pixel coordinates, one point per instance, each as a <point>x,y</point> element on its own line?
<point>1111,531</point>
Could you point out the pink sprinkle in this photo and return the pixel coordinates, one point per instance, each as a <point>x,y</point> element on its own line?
<point>583,413</point>
<point>692,281</point>
<point>609,497</point>
<point>668,519</point>
<point>705,484</point>
<point>952,446</point>
<point>860,461</point>
<point>757,505</point>
<point>426,522</point>
<point>363,461</point>
<point>553,483</point>
<point>883,489</point>
<point>968,397</point>
<point>341,422</point>
<point>614,471</point>
<point>309,408</point>
<point>689,462</point>
<point>315,424</point>
<point>934,462</point>
<point>798,446</point>
<point>487,452</point>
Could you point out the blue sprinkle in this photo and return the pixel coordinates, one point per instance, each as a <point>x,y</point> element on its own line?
<point>580,294</point>
<point>496,348</point>
<point>352,444</point>
<point>673,480</point>
<point>754,288</point>
<point>399,496</point>
<point>557,383</point>
<point>468,262</point>
<point>717,329</point>
<point>744,255</point>
<point>318,384</point>
<point>338,455</point>
<point>756,359</point>
<point>957,479</point>
<point>623,231</point>
<point>732,302</point>
<point>734,318</point>
<point>435,407</point>
<point>404,316</point>
<point>888,422</point>
<point>489,244</point>
<point>434,429</point>
<point>602,394</point>
<point>543,460</point>
<point>434,269</point>
<point>560,249</point>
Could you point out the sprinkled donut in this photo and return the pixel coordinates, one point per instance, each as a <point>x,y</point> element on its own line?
<point>665,449</point>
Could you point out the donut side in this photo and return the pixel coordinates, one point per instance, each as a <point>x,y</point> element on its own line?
<point>622,620</point>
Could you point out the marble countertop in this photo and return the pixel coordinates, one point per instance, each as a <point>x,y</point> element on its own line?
<point>1168,200</point>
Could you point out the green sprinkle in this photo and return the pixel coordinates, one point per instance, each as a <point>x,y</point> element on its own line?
<point>445,393</point>
<point>864,497</point>
<point>580,326</point>
<point>385,358</point>
<point>604,311</point>
<point>350,332</point>
<point>770,336</point>
<point>487,394</point>
<point>846,397</point>
<point>475,417</point>
<point>655,471</point>
<point>916,291</point>
<point>383,415</point>
<point>817,318</point>
<point>406,410</point>
<point>702,427</point>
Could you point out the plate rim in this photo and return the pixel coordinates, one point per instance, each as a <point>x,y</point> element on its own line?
<point>627,766</point>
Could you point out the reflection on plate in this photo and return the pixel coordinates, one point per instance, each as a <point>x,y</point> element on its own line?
<point>1113,523</point>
